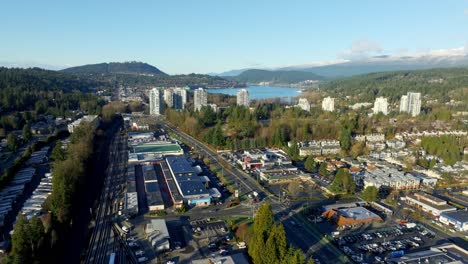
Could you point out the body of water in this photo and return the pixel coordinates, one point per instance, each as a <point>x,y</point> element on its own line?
<point>261,92</point>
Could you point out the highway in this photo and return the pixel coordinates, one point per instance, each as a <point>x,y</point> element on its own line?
<point>103,242</point>
<point>301,235</point>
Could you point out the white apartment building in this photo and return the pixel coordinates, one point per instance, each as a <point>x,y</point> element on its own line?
<point>156,101</point>
<point>200,98</point>
<point>328,104</point>
<point>381,105</point>
<point>304,104</point>
<point>243,97</point>
<point>411,103</point>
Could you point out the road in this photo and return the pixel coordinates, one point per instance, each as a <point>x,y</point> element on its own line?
<point>103,242</point>
<point>301,234</point>
<point>245,184</point>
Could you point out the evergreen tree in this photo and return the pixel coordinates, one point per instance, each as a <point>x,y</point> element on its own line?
<point>27,135</point>
<point>345,138</point>
<point>310,164</point>
<point>370,194</point>
<point>323,169</point>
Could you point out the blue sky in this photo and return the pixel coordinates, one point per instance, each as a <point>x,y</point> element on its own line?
<point>183,36</point>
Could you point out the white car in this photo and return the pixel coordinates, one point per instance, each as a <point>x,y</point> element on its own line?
<point>133,244</point>
<point>139,253</point>
<point>142,259</point>
<point>131,239</point>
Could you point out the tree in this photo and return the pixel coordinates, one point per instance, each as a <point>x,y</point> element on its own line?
<point>58,153</point>
<point>243,232</point>
<point>358,149</point>
<point>343,182</point>
<point>345,138</point>
<point>323,169</point>
<point>370,194</point>
<point>27,135</point>
<point>293,151</point>
<point>262,226</point>
<point>12,142</point>
<point>310,165</point>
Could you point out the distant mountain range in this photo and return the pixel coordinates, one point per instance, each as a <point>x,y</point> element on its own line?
<point>133,67</point>
<point>278,77</point>
<point>376,64</point>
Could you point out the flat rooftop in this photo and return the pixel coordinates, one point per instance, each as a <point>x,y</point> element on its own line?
<point>179,165</point>
<point>445,253</point>
<point>357,213</point>
<point>460,215</point>
<point>156,148</point>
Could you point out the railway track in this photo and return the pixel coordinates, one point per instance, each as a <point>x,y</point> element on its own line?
<point>103,241</point>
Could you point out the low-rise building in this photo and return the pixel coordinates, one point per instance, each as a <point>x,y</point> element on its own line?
<point>388,179</point>
<point>86,119</point>
<point>351,216</point>
<point>158,235</point>
<point>446,253</point>
<point>456,219</point>
<point>319,147</point>
<point>429,203</point>
<point>187,181</point>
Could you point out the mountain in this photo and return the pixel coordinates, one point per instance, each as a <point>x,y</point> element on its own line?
<point>133,67</point>
<point>384,64</point>
<point>278,77</point>
<point>230,73</point>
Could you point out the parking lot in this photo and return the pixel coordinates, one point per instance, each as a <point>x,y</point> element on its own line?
<point>373,246</point>
<point>207,229</point>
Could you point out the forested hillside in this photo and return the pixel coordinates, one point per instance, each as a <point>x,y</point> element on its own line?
<point>37,89</point>
<point>441,84</point>
<point>278,77</point>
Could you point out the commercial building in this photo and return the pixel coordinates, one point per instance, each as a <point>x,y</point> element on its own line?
<point>158,235</point>
<point>304,104</point>
<point>152,190</point>
<point>381,106</point>
<point>156,101</point>
<point>457,219</point>
<point>351,215</point>
<point>328,104</point>
<point>238,258</point>
<point>429,204</point>
<point>411,103</point>
<point>200,98</point>
<point>188,183</point>
<point>243,97</point>
<point>131,203</point>
<point>446,253</point>
<point>158,148</point>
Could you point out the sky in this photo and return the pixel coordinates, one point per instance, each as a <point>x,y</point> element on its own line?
<point>203,36</point>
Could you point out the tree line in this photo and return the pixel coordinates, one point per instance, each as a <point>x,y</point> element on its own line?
<point>49,232</point>
<point>268,244</point>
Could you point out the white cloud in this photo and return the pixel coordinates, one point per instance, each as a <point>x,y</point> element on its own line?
<point>361,49</point>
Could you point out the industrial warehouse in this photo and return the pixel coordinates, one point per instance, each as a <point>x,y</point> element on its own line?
<point>165,176</point>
